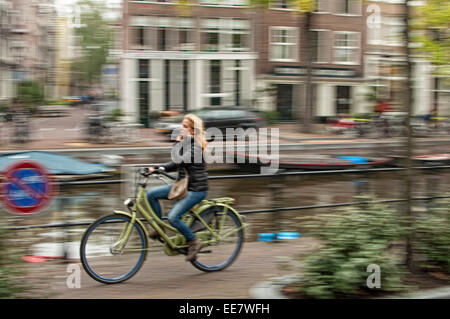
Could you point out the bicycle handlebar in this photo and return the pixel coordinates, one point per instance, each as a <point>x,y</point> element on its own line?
<point>157,171</point>
<point>144,172</point>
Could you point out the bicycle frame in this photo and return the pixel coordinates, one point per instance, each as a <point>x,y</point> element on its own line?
<point>177,242</point>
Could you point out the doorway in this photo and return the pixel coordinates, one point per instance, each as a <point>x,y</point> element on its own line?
<point>343,99</point>
<point>284,101</point>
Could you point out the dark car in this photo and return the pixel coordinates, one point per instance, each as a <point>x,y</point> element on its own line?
<point>221,118</point>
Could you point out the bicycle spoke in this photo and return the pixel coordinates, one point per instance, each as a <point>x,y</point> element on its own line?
<point>108,255</point>
<point>220,253</point>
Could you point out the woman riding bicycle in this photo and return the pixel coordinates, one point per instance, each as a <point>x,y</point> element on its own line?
<point>187,154</point>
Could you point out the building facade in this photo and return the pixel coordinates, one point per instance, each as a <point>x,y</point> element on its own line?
<point>385,61</point>
<point>337,40</point>
<point>32,42</point>
<point>186,58</point>
<point>63,56</point>
<point>7,87</point>
<point>225,53</point>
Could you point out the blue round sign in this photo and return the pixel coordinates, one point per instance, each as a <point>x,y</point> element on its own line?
<point>27,189</point>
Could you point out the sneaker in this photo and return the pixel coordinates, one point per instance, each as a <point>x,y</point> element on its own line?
<point>194,247</point>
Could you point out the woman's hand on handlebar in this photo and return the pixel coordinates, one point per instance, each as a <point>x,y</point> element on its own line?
<point>146,171</point>
<point>151,170</point>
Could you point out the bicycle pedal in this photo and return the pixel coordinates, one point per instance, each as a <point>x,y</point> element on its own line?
<point>205,252</point>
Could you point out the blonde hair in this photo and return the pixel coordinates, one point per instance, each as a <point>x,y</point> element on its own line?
<point>199,129</point>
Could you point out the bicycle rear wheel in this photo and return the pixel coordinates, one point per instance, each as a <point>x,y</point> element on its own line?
<point>102,259</point>
<point>221,254</point>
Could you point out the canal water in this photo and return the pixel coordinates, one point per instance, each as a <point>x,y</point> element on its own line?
<point>85,203</point>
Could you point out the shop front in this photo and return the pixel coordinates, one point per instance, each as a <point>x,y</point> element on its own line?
<point>336,91</point>
<point>153,82</point>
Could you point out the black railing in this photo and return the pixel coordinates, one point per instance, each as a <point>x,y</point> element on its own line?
<point>274,209</point>
<point>245,212</point>
<point>284,173</point>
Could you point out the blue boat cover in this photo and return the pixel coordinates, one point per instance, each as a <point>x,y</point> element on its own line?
<point>56,164</point>
<point>355,159</point>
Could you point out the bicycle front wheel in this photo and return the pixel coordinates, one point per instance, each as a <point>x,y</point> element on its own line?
<point>222,253</point>
<point>104,254</point>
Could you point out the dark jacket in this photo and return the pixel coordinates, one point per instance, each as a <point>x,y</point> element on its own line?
<point>188,154</point>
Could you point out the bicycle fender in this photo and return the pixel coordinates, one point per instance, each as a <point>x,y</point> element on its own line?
<point>212,204</point>
<point>239,216</point>
<point>118,212</point>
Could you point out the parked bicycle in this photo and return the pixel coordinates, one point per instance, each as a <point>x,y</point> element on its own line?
<point>21,127</point>
<point>114,247</point>
<point>95,126</point>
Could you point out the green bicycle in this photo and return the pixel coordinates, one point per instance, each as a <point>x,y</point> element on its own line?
<point>115,246</point>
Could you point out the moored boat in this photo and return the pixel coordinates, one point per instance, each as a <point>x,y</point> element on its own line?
<point>424,160</point>
<point>311,162</point>
<point>60,166</point>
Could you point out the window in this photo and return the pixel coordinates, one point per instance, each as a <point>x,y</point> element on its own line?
<point>350,7</point>
<point>372,68</point>
<point>143,90</point>
<point>319,40</point>
<point>228,3</point>
<point>185,84</point>
<point>210,35</point>
<point>140,31</point>
<point>322,6</point>
<point>215,83</point>
<point>176,84</point>
<point>167,84</point>
<point>225,34</point>
<point>283,44</point>
<point>346,47</point>
<point>240,35</point>
<point>343,99</point>
<point>162,37</point>
<point>143,69</point>
<point>389,32</point>
<point>184,40</point>
<point>237,88</point>
<point>280,4</point>
<point>163,33</point>
<point>144,99</point>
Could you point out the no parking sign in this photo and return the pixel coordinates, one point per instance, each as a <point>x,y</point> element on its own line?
<point>27,188</point>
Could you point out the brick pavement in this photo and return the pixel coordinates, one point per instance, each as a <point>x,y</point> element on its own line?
<point>163,277</point>
<point>66,132</point>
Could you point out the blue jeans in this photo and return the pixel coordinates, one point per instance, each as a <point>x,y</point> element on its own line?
<point>178,210</point>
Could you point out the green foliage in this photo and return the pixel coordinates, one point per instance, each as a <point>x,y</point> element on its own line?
<point>3,107</point>
<point>363,116</point>
<point>351,241</point>
<point>31,93</point>
<point>10,274</point>
<point>432,31</point>
<point>95,39</point>
<point>433,236</point>
<point>372,95</point>
<point>271,117</point>
<point>115,114</point>
<point>154,116</point>
<point>57,102</point>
